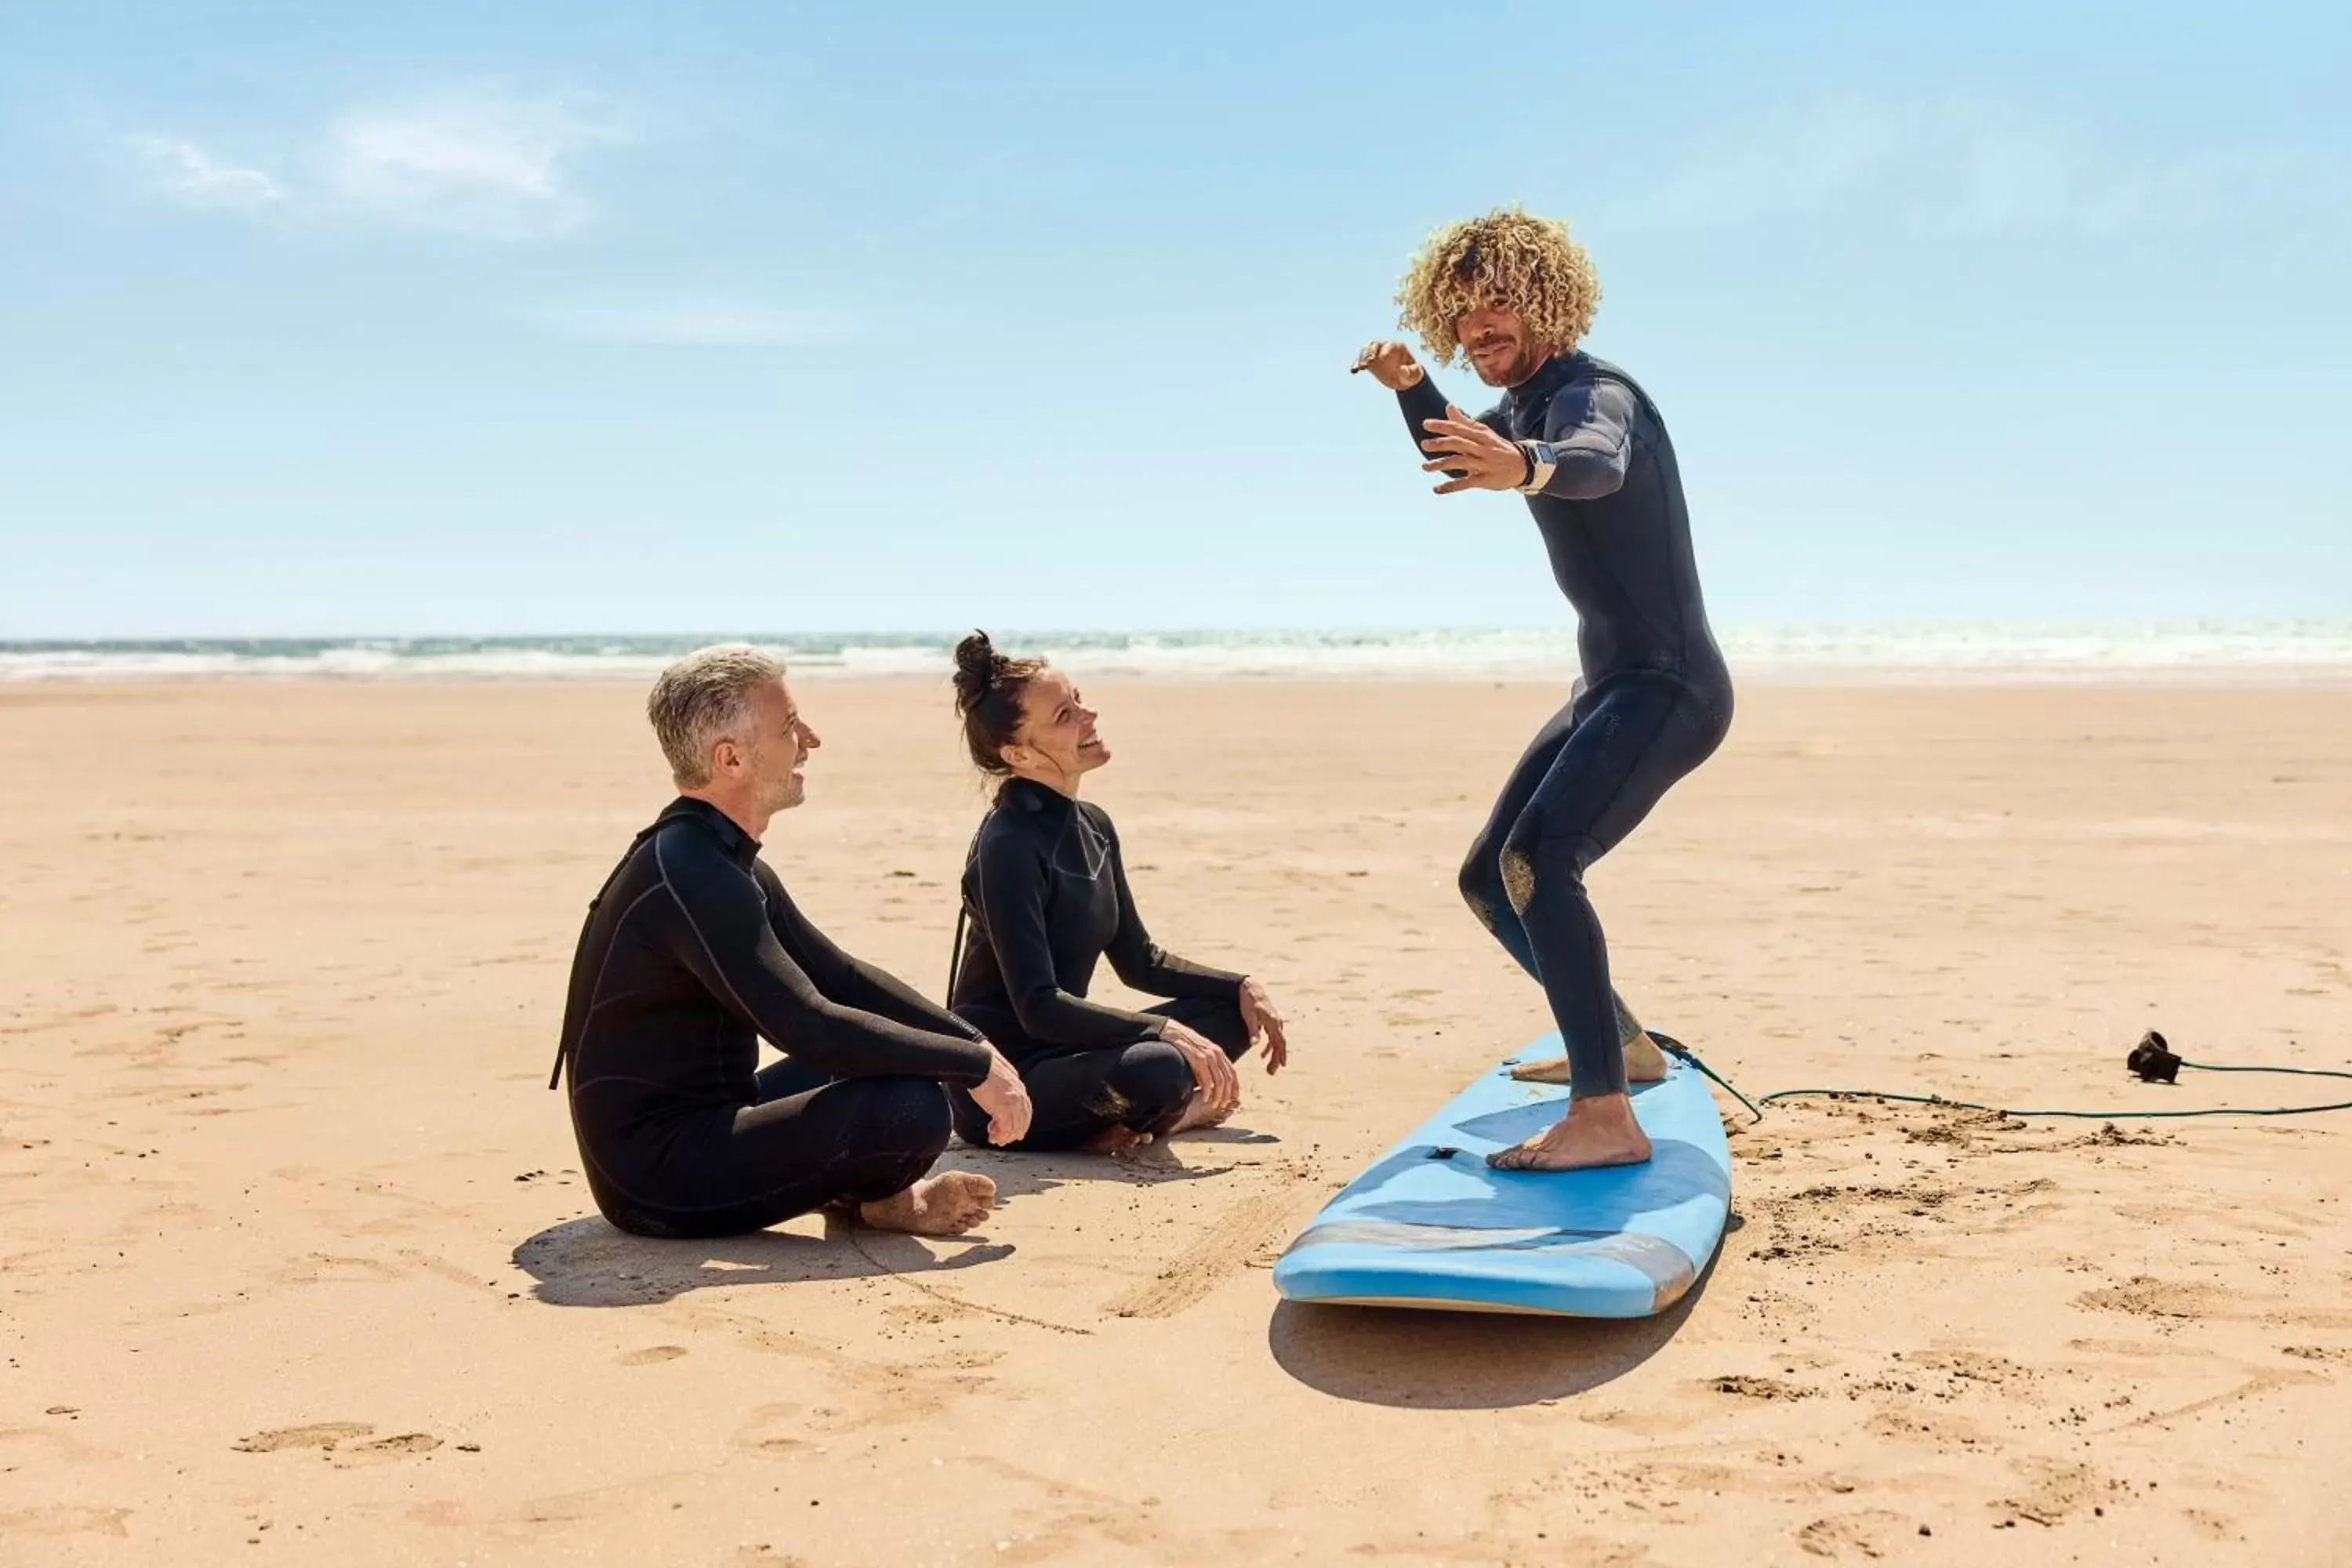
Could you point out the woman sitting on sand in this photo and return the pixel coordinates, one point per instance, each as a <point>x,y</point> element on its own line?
<point>1046,894</point>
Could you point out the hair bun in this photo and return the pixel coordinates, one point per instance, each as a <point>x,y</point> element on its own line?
<point>977,663</point>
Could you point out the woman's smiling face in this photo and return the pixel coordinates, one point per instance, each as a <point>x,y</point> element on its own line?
<point>1057,739</point>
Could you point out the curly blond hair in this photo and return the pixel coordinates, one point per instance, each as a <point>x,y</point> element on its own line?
<point>1529,263</point>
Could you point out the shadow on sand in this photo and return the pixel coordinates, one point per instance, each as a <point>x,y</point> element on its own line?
<point>588,1263</point>
<point>1025,1175</point>
<point>1464,1360</point>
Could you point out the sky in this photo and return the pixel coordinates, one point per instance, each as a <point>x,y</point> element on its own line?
<point>575,318</point>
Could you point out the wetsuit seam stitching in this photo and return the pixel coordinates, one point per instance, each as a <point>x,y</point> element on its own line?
<point>1625,774</point>
<point>597,986</point>
<point>662,865</point>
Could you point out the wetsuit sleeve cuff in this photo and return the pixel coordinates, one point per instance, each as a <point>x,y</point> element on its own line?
<point>971,1067</point>
<point>1540,467</point>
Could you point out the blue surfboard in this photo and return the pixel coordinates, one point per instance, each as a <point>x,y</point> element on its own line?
<point>1432,1225</point>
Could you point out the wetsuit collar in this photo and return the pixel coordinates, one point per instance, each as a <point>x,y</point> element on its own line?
<point>740,846</point>
<point>1554,374</point>
<point>1028,794</point>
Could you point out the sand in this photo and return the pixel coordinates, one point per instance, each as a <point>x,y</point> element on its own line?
<point>295,1264</point>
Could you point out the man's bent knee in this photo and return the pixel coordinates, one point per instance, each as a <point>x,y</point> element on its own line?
<point>908,1114</point>
<point>1536,865</point>
<point>1481,880</point>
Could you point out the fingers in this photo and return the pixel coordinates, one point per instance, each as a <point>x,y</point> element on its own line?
<point>1461,430</point>
<point>1229,1082</point>
<point>1452,485</point>
<point>1008,1106</point>
<point>1214,1075</point>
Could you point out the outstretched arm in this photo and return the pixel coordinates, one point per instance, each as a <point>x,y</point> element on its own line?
<point>1586,446</point>
<point>1392,365</point>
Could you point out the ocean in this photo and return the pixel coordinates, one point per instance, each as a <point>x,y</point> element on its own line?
<point>2280,652</point>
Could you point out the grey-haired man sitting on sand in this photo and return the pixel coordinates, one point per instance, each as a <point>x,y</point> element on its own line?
<point>693,953</point>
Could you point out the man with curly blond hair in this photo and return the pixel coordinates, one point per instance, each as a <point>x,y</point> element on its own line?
<point>1514,295</point>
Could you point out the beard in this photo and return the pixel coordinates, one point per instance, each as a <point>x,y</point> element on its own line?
<point>785,794</point>
<point>1526,359</point>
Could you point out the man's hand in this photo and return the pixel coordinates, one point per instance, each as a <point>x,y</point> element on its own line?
<point>1476,457</point>
<point>1259,1018</point>
<point>1391,365</point>
<point>1212,1074</point>
<point>1005,1099</point>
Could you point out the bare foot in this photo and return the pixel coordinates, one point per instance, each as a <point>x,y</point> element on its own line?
<point>1644,1063</point>
<point>946,1204</point>
<point>1597,1131</point>
<point>1116,1139</point>
<point>1198,1114</point>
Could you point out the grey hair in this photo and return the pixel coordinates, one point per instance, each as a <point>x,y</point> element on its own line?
<point>701,698</point>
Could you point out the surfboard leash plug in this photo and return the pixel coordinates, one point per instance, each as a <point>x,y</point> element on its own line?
<point>2153,1060</point>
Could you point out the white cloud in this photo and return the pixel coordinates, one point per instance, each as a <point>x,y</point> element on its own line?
<point>704,326</point>
<point>1966,166</point>
<point>188,174</point>
<point>493,165</point>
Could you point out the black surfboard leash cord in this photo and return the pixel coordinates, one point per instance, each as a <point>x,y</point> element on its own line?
<point>2152,1060</point>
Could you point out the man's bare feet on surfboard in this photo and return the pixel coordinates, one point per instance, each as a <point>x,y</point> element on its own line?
<point>1644,1063</point>
<point>946,1204</point>
<point>1116,1139</point>
<point>1599,1129</point>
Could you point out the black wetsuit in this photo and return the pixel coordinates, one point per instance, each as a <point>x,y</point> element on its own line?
<point>1046,895</point>
<point>1654,702</point>
<point>689,956</point>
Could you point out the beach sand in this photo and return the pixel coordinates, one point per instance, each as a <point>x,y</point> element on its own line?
<point>295,1265</point>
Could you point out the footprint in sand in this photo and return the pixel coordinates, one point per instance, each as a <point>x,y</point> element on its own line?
<point>653,1354</point>
<point>317,1435</point>
<point>2057,1490</point>
<point>339,1438</point>
<point>1872,1534</point>
<point>63,1519</point>
<point>1749,1387</point>
<point>774,1429</point>
<point>391,1447</point>
<point>321,1268</point>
